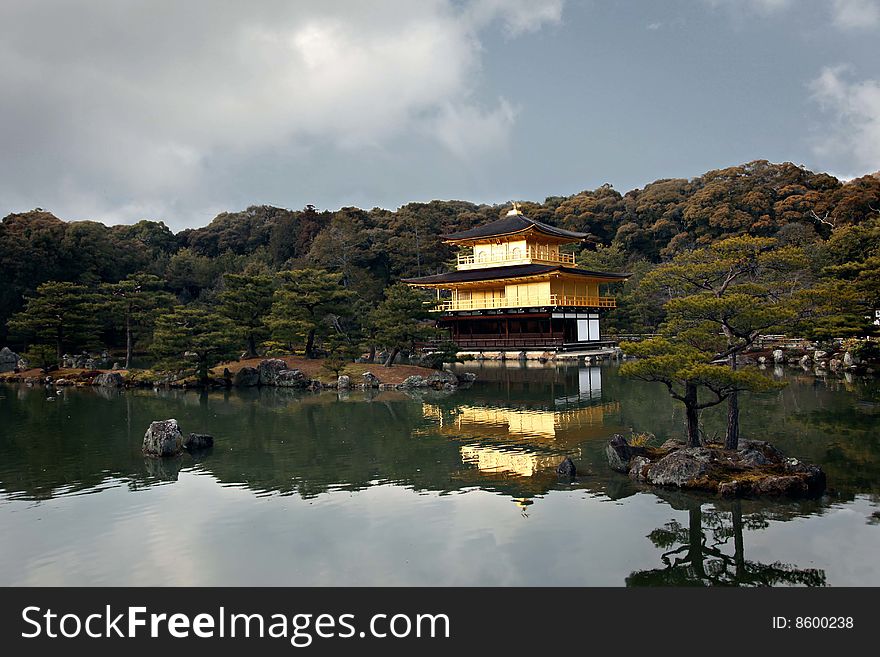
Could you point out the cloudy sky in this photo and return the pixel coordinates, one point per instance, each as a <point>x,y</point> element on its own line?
<point>119,110</point>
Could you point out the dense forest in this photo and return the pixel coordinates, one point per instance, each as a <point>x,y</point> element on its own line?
<point>365,252</point>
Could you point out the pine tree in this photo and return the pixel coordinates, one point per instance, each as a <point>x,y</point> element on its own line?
<point>403,319</point>
<point>304,298</point>
<point>60,313</point>
<point>194,338</point>
<point>134,303</point>
<point>734,291</point>
<point>246,300</point>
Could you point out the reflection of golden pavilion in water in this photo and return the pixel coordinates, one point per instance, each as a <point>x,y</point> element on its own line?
<point>525,441</point>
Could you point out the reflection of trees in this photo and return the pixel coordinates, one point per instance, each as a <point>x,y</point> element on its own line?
<point>701,554</point>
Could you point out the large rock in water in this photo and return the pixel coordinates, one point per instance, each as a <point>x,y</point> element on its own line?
<point>8,360</point>
<point>370,380</point>
<point>343,382</point>
<point>198,441</point>
<point>681,468</point>
<point>246,377</point>
<point>269,370</point>
<point>778,356</point>
<point>566,468</point>
<point>163,438</point>
<point>619,453</point>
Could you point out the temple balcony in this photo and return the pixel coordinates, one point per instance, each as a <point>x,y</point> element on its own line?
<point>532,255</point>
<point>554,300</point>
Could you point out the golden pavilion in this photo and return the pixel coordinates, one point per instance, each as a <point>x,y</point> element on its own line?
<point>514,289</point>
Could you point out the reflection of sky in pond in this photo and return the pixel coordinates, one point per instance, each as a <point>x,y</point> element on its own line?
<point>419,489</point>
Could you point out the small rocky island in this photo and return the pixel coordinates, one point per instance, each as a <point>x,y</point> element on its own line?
<point>756,468</point>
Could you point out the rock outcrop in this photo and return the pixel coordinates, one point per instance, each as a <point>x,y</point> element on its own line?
<point>246,377</point>
<point>109,380</point>
<point>163,438</point>
<point>756,468</point>
<point>619,453</point>
<point>269,370</point>
<point>8,359</point>
<point>290,379</point>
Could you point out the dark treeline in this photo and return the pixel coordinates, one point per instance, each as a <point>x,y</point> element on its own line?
<point>369,250</point>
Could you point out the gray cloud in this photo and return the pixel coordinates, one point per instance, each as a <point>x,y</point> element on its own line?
<point>125,106</point>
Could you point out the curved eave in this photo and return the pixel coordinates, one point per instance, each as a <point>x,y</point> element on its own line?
<point>499,275</point>
<point>523,232</point>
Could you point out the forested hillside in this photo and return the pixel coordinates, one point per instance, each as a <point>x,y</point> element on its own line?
<point>371,249</point>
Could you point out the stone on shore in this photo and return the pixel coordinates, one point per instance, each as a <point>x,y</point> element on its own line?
<point>163,438</point>
<point>442,379</point>
<point>290,379</point>
<point>681,468</point>
<point>109,380</point>
<point>343,382</point>
<point>269,370</point>
<point>370,380</point>
<point>8,359</point>
<point>246,377</point>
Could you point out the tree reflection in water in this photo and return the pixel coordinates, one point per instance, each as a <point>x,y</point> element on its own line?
<point>701,554</point>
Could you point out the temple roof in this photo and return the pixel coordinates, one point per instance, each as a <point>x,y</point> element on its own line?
<point>511,271</point>
<point>514,222</point>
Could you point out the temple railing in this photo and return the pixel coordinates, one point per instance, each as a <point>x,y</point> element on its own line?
<point>559,300</point>
<point>530,255</point>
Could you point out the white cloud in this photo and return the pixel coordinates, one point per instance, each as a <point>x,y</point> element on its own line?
<point>752,6</point>
<point>853,136</point>
<point>856,14</point>
<point>845,14</point>
<point>465,129</point>
<point>518,16</point>
<point>124,104</point>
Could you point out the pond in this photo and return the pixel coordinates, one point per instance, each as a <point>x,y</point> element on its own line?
<point>423,489</point>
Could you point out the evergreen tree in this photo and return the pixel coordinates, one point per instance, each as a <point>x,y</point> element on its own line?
<point>685,371</point>
<point>735,289</point>
<point>246,300</point>
<point>134,303</point>
<point>302,301</point>
<point>60,313</point>
<point>403,319</point>
<point>194,338</point>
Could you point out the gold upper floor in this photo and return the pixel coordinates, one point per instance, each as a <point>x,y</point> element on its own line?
<point>514,252</point>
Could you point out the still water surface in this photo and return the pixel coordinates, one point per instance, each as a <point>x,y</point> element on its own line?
<point>434,488</point>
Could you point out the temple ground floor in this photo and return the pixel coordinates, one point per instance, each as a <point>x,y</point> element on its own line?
<point>556,330</point>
